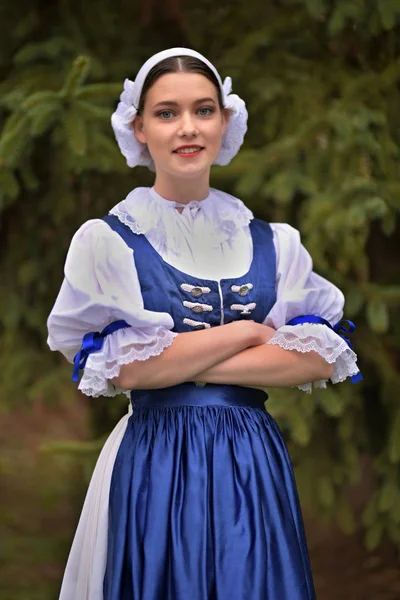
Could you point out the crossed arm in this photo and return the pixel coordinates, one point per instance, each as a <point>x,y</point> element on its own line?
<point>236,353</point>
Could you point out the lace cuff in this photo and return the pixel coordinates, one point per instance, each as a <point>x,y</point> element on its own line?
<point>319,338</point>
<point>120,348</point>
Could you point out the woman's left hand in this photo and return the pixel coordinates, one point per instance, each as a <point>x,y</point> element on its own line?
<point>263,333</point>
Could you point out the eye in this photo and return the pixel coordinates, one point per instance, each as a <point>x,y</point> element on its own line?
<point>165,114</point>
<point>205,111</point>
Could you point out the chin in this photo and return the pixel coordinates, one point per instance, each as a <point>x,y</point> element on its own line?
<point>195,168</point>
<point>191,171</point>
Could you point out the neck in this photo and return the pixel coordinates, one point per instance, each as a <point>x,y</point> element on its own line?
<point>182,190</point>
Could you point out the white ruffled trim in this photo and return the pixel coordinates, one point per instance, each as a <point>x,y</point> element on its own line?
<point>121,348</point>
<point>237,125</point>
<point>146,212</point>
<point>126,219</point>
<point>134,151</point>
<point>137,153</point>
<point>319,338</point>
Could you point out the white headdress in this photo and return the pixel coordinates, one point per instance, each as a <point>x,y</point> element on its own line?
<point>137,153</point>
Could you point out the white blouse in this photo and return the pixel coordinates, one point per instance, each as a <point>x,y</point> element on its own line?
<point>209,239</point>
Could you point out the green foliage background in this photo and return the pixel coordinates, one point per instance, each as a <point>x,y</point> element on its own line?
<point>321,80</point>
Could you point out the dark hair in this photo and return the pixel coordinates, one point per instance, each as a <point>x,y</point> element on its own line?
<point>178,64</point>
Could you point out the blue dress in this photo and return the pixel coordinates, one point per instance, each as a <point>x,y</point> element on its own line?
<point>203,502</point>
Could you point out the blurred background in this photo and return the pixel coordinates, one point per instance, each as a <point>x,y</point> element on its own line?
<point>321,81</point>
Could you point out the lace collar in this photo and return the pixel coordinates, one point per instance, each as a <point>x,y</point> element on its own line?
<point>216,219</point>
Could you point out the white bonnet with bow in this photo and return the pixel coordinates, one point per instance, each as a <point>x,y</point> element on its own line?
<point>137,153</point>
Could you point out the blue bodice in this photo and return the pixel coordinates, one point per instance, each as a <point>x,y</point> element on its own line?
<point>196,303</point>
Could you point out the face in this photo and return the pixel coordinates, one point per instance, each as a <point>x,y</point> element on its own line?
<point>182,125</point>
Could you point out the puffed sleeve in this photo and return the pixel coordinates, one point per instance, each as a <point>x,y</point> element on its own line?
<point>101,286</point>
<point>300,291</point>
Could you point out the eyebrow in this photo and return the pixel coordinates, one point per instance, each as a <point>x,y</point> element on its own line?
<point>175,104</point>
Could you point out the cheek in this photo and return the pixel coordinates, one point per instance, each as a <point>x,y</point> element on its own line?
<point>216,129</point>
<point>159,134</point>
<point>215,136</point>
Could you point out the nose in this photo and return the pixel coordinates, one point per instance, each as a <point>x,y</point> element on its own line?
<point>187,126</point>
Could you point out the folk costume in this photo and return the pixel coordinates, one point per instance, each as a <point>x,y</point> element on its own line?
<point>193,494</point>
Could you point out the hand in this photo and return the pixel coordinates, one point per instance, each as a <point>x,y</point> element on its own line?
<point>262,333</point>
<point>254,333</point>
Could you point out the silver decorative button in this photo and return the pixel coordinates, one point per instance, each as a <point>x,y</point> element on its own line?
<point>197,309</point>
<point>196,324</point>
<point>243,289</point>
<point>196,292</point>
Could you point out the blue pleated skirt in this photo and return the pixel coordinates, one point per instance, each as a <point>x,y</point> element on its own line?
<point>203,502</point>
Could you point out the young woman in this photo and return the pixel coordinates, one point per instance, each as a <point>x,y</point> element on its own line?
<point>184,301</point>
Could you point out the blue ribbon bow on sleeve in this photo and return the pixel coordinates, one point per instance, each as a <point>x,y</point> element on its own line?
<point>342,328</point>
<point>92,342</point>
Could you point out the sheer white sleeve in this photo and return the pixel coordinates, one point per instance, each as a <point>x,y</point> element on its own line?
<point>300,291</point>
<point>101,286</point>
